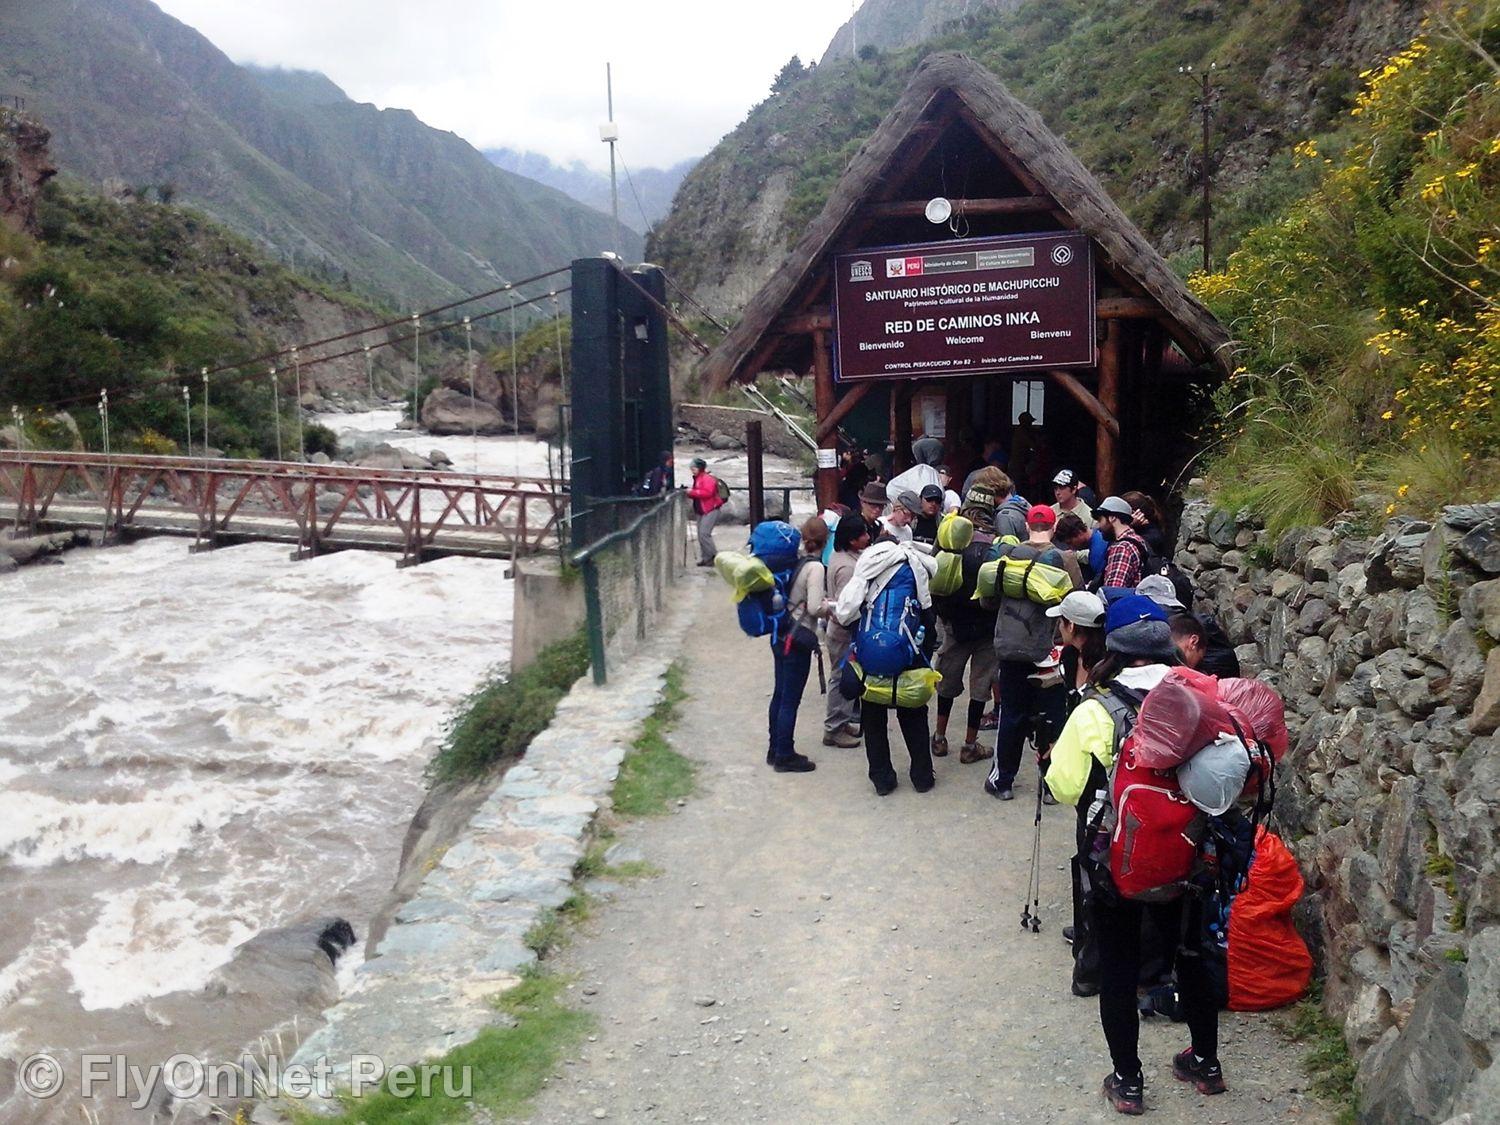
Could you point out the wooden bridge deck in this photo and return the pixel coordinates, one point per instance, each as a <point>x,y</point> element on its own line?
<point>418,513</point>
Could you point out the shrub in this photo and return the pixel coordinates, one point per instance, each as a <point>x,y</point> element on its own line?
<point>498,721</point>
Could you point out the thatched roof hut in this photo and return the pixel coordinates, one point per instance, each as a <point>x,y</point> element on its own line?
<point>958,127</point>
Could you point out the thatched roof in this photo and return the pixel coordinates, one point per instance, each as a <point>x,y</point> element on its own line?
<point>945,83</point>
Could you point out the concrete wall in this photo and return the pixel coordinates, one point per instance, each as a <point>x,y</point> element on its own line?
<point>1383,642</point>
<point>548,607</point>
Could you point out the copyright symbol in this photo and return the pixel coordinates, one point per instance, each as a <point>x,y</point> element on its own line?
<point>41,1076</point>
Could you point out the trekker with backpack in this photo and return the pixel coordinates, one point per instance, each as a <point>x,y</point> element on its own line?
<point>841,721</point>
<point>888,604</point>
<point>968,641</point>
<point>1125,560</point>
<point>708,494</point>
<point>1024,636</point>
<point>1085,772</point>
<point>1203,645</point>
<point>793,646</point>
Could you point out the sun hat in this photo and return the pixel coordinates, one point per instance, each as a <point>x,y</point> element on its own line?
<point>873,493</point>
<point>1040,514</point>
<point>1066,478</point>
<point>1159,588</point>
<point>1113,506</point>
<point>1081,608</point>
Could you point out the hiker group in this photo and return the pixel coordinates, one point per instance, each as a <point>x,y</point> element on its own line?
<point>1071,630</point>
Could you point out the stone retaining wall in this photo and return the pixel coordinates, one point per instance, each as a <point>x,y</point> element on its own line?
<point>1383,644</point>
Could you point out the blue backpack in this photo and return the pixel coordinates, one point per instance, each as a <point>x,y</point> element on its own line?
<point>775,543</point>
<point>890,634</point>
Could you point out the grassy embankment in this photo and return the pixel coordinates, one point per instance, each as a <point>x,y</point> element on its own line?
<point>1369,312</point>
<point>510,1065</point>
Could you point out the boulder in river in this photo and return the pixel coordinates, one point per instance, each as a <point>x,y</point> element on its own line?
<point>447,411</point>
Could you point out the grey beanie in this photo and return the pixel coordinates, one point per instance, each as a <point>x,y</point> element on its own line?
<point>1150,640</point>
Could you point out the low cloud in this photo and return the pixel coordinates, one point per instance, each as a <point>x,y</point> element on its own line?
<point>531,75</point>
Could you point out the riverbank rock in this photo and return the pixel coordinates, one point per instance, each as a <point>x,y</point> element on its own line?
<point>447,411</point>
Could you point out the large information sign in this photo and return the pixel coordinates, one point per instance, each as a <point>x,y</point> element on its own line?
<point>965,308</point>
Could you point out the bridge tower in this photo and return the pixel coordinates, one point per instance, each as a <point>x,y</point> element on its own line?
<point>621,392</point>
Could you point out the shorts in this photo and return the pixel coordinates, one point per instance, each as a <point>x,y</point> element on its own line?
<point>978,654</point>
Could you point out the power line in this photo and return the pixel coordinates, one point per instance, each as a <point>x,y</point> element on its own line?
<point>142,389</point>
<point>293,349</point>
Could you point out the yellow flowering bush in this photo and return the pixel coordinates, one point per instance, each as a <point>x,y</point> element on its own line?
<point>1368,315</point>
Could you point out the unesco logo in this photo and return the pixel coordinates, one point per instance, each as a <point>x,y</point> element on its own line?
<point>1062,254</point>
<point>861,271</point>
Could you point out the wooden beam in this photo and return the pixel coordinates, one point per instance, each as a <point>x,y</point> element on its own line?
<point>824,403</point>
<point>1129,308</point>
<point>917,208</point>
<point>1109,397</point>
<point>828,424</point>
<point>804,324</point>
<point>1070,383</point>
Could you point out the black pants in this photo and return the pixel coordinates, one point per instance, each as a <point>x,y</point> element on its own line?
<point>913,722</point>
<point>1117,928</point>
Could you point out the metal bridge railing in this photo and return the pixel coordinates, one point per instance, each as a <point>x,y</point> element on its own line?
<point>628,576</point>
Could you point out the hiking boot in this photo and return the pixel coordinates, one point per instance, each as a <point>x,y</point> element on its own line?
<point>923,784</point>
<point>1068,933</point>
<point>885,788</point>
<point>1005,793</point>
<point>990,721</point>
<point>972,752</point>
<point>705,562</point>
<point>1127,1095</point>
<point>1047,797</point>
<point>1085,988</point>
<point>795,763</point>
<point>940,746</point>
<point>841,739</point>
<point>854,730</point>
<point>1207,1077</point>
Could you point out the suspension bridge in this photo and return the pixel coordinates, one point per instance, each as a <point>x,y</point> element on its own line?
<point>421,514</point>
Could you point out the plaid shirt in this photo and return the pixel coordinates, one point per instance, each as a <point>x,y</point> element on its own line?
<point>1126,560</point>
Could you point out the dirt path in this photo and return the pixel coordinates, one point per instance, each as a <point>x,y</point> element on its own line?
<point>813,953</point>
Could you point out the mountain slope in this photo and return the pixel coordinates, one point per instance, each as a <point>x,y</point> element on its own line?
<point>655,187</point>
<point>893,25</point>
<point>410,212</point>
<point>1103,75</point>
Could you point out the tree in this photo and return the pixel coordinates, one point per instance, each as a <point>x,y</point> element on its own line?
<point>788,75</point>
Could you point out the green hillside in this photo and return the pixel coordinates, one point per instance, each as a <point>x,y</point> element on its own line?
<point>1369,313</point>
<point>126,295</point>
<point>1103,74</point>
<point>331,186</point>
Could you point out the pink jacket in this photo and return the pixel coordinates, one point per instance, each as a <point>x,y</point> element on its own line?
<point>704,492</point>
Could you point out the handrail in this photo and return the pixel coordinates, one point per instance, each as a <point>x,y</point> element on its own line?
<point>583,555</point>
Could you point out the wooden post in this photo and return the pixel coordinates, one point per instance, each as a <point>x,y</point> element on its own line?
<point>754,453</point>
<point>825,398</point>
<point>1108,465</point>
<point>901,395</point>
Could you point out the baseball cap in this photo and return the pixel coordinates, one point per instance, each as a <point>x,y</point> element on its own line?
<point>1113,506</point>
<point>932,492</point>
<point>1131,609</point>
<point>910,502</point>
<point>1040,514</point>
<point>1159,588</point>
<point>1081,608</point>
<point>1065,477</point>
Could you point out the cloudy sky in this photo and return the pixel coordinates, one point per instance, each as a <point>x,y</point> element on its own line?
<point>529,74</point>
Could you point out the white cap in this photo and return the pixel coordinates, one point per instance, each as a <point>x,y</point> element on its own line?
<point>1159,588</point>
<point>1081,608</point>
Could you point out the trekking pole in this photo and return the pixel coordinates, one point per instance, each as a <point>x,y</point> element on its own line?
<point>1031,904</point>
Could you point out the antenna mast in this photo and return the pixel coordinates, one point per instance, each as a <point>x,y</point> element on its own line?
<point>609,133</point>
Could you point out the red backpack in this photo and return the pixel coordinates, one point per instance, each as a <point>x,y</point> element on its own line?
<point>1154,846</point>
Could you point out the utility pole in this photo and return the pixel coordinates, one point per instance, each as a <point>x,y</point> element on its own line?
<point>609,133</point>
<point>1205,82</point>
